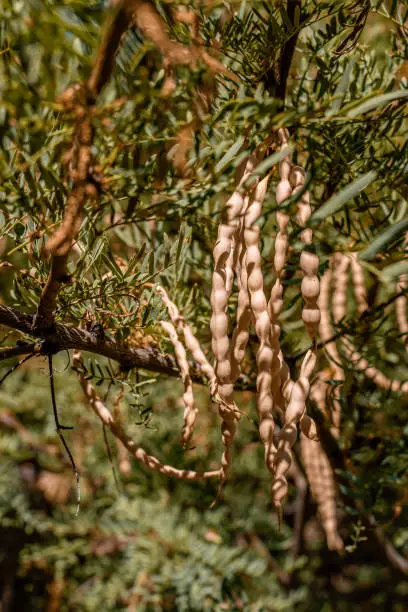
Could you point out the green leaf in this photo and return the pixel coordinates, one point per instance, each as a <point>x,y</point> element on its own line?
<point>376,101</point>
<point>395,270</point>
<point>266,164</point>
<point>113,267</point>
<point>384,239</point>
<point>342,87</point>
<point>229,155</point>
<point>337,202</point>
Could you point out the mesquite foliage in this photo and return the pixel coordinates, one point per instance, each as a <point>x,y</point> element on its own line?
<point>214,197</point>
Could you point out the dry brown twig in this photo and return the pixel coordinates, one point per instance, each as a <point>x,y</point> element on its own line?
<point>79,100</point>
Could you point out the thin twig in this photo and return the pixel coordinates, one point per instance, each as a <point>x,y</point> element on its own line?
<point>110,457</point>
<point>7,374</point>
<point>58,428</point>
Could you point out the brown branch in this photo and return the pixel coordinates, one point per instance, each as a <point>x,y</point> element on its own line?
<point>78,101</point>
<point>118,22</point>
<point>276,77</point>
<point>18,349</point>
<point>62,337</point>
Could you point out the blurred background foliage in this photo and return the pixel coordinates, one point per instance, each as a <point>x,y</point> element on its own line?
<point>166,151</point>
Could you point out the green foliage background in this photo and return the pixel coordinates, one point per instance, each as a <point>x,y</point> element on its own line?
<point>154,544</point>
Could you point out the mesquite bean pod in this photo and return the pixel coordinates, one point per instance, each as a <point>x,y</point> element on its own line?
<point>191,341</point>
<point>275,304</point>
<point>401,302</point>
<point>283,192</point>
<point>106,417</point>
<point>326,332</point>
<point>322,486</point>
<point>288,434</point>
<point>268,335</point>
<point>357,276</point>
<point>240,335</point>
<point>190,410</point>
<point>341,263</point>
<point>309,262</point>
<point>219,320</point>
<point>401,309</point>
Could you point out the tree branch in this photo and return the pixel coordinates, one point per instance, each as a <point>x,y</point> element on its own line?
<point>276,77</point>
<point>61,337</point>
<point>18,349</point>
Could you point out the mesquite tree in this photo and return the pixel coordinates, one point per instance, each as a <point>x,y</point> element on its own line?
<point>215,192</point>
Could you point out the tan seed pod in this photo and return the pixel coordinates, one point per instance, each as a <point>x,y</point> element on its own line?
<point>295,411</point>
<point>190,411</point>
<point>326,332</point>
<point>190,340</point>
<point>240,335</point>
<point>341,263</point>
<point>401,309</point>
<point>106,417</point>
<point>322,485</point>
<point>267,354</point>
<point>309,262</point>
<point>227,232</point>
<point>275,304</point>
<point>283,192</point>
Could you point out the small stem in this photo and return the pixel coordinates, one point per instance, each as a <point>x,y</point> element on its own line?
<point>58,428</point>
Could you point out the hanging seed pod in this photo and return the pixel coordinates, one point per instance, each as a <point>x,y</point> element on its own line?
<point>326,332</point>
<point>288,434</point>
<point>275,304</point>
<point>401,309</point>
<point>283,192</point>
<point>191,341</point>
<point>309,262</point>
<point>105,416</point>
<point>190,411</point>
<point>267,354</point>
<point>219,321</point>
<point>322,486</point>
<point>240,335</point>
<point>341,263</point>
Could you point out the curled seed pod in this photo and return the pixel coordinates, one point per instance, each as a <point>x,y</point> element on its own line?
<point>373,373</point>
<point>322,485</point>
<point>106,417</point>
<point>190,411</point>
<point>341,263</point>
<point>219,320</point>
<point>309,262</point>
<point>357,276</point>
<point>191,341</point>
<point>295,411</point>
<point>268,335</point>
